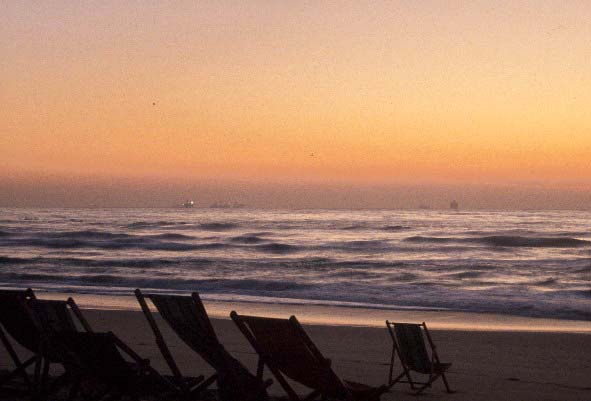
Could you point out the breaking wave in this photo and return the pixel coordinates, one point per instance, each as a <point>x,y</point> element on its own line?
<point>486,262</point>
<point>507,241</point>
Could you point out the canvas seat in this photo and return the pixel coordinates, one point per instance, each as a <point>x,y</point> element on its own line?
<point>188,318</point>
<point>102,366</point>
<point>285,348</point>
<point>30,321</point>
<point>408,342</point>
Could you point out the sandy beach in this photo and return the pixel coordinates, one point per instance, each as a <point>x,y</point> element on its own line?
<point>488,365</point>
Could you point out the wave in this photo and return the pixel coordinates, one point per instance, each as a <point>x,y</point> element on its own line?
<point>122,243</point>
<point>175,236</point>
<point>279,248</point>
<point>436,240</point>
<point>543,242</point>
<point>172,225</point>
<point>61,263</point>
<point>387,228</point>
<point>14,261</point>
<point>524,232</point>
<point>153,224</point>
<point>247,239</point>
<point>467,274</point>
<point>507,241</point>
<point>357,246</point>
<point>167,282</point>
<point>85,234</point>
<point>218,226</point>
<point>394,228</point>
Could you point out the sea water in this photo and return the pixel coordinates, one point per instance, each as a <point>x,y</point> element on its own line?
<point>521,263</point>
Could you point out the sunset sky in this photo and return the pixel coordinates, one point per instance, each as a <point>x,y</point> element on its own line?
<point>367,92</point>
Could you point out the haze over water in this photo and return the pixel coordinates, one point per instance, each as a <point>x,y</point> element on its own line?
<point>519,263</point>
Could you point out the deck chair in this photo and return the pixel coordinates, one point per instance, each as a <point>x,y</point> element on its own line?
<point>16,322</point>
<point>285,348</point>
<point>188,318</point>
<point>408,342</point>
<point>101,365</point>
<point>52,318</point>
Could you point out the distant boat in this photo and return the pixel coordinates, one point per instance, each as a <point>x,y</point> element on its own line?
<point>188,203</point>
<point>454,205</point>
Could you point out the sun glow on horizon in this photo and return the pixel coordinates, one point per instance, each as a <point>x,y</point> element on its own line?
<point>382,91</point>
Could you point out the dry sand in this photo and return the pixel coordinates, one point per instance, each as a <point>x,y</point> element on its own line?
<point>487,365</point>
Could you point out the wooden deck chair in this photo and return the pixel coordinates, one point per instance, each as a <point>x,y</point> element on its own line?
<point>188,318</point>
<point>16,322</point>
<point>102,365</point>
<point>285,348</point>
<point>408,342</point>
<point>51,318</point>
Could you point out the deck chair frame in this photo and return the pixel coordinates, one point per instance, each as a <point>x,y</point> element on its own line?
<point>433,375</point>
<point>188,388</point>
<point>42,366</point>
<point>21,296</point>
<point>242,321</point>
<point>82,371</point>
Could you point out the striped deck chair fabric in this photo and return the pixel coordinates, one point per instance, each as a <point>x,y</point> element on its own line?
<point>189,320</point>
<point>408,342</point>
<point>288,352</point>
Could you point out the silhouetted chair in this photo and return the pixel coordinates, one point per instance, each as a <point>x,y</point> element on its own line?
<point>189,320</point>
<point>53,318</point>
<point>16,321</point>
<point>101,365</point>
<point>408,342</point>
<point>285,348</point>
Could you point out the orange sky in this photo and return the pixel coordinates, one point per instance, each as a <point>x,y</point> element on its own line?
<point>364,91</point>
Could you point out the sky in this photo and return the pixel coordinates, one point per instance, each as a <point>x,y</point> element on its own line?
<point>277,94</point>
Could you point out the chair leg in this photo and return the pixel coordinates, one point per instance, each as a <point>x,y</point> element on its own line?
<point>449,390</point>
<point>37,378</point>
<point>428,384</point>
<point>392,357</point>
<point>396,380</point>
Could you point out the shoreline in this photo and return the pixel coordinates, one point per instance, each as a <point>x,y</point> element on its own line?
<point>487,364</point>
<point>344,316</point>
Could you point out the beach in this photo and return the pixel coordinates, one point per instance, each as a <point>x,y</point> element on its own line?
<point>505,293</point>
<point>487,364</point>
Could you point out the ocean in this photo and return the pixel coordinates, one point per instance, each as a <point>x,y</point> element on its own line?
<point>521,263</point>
